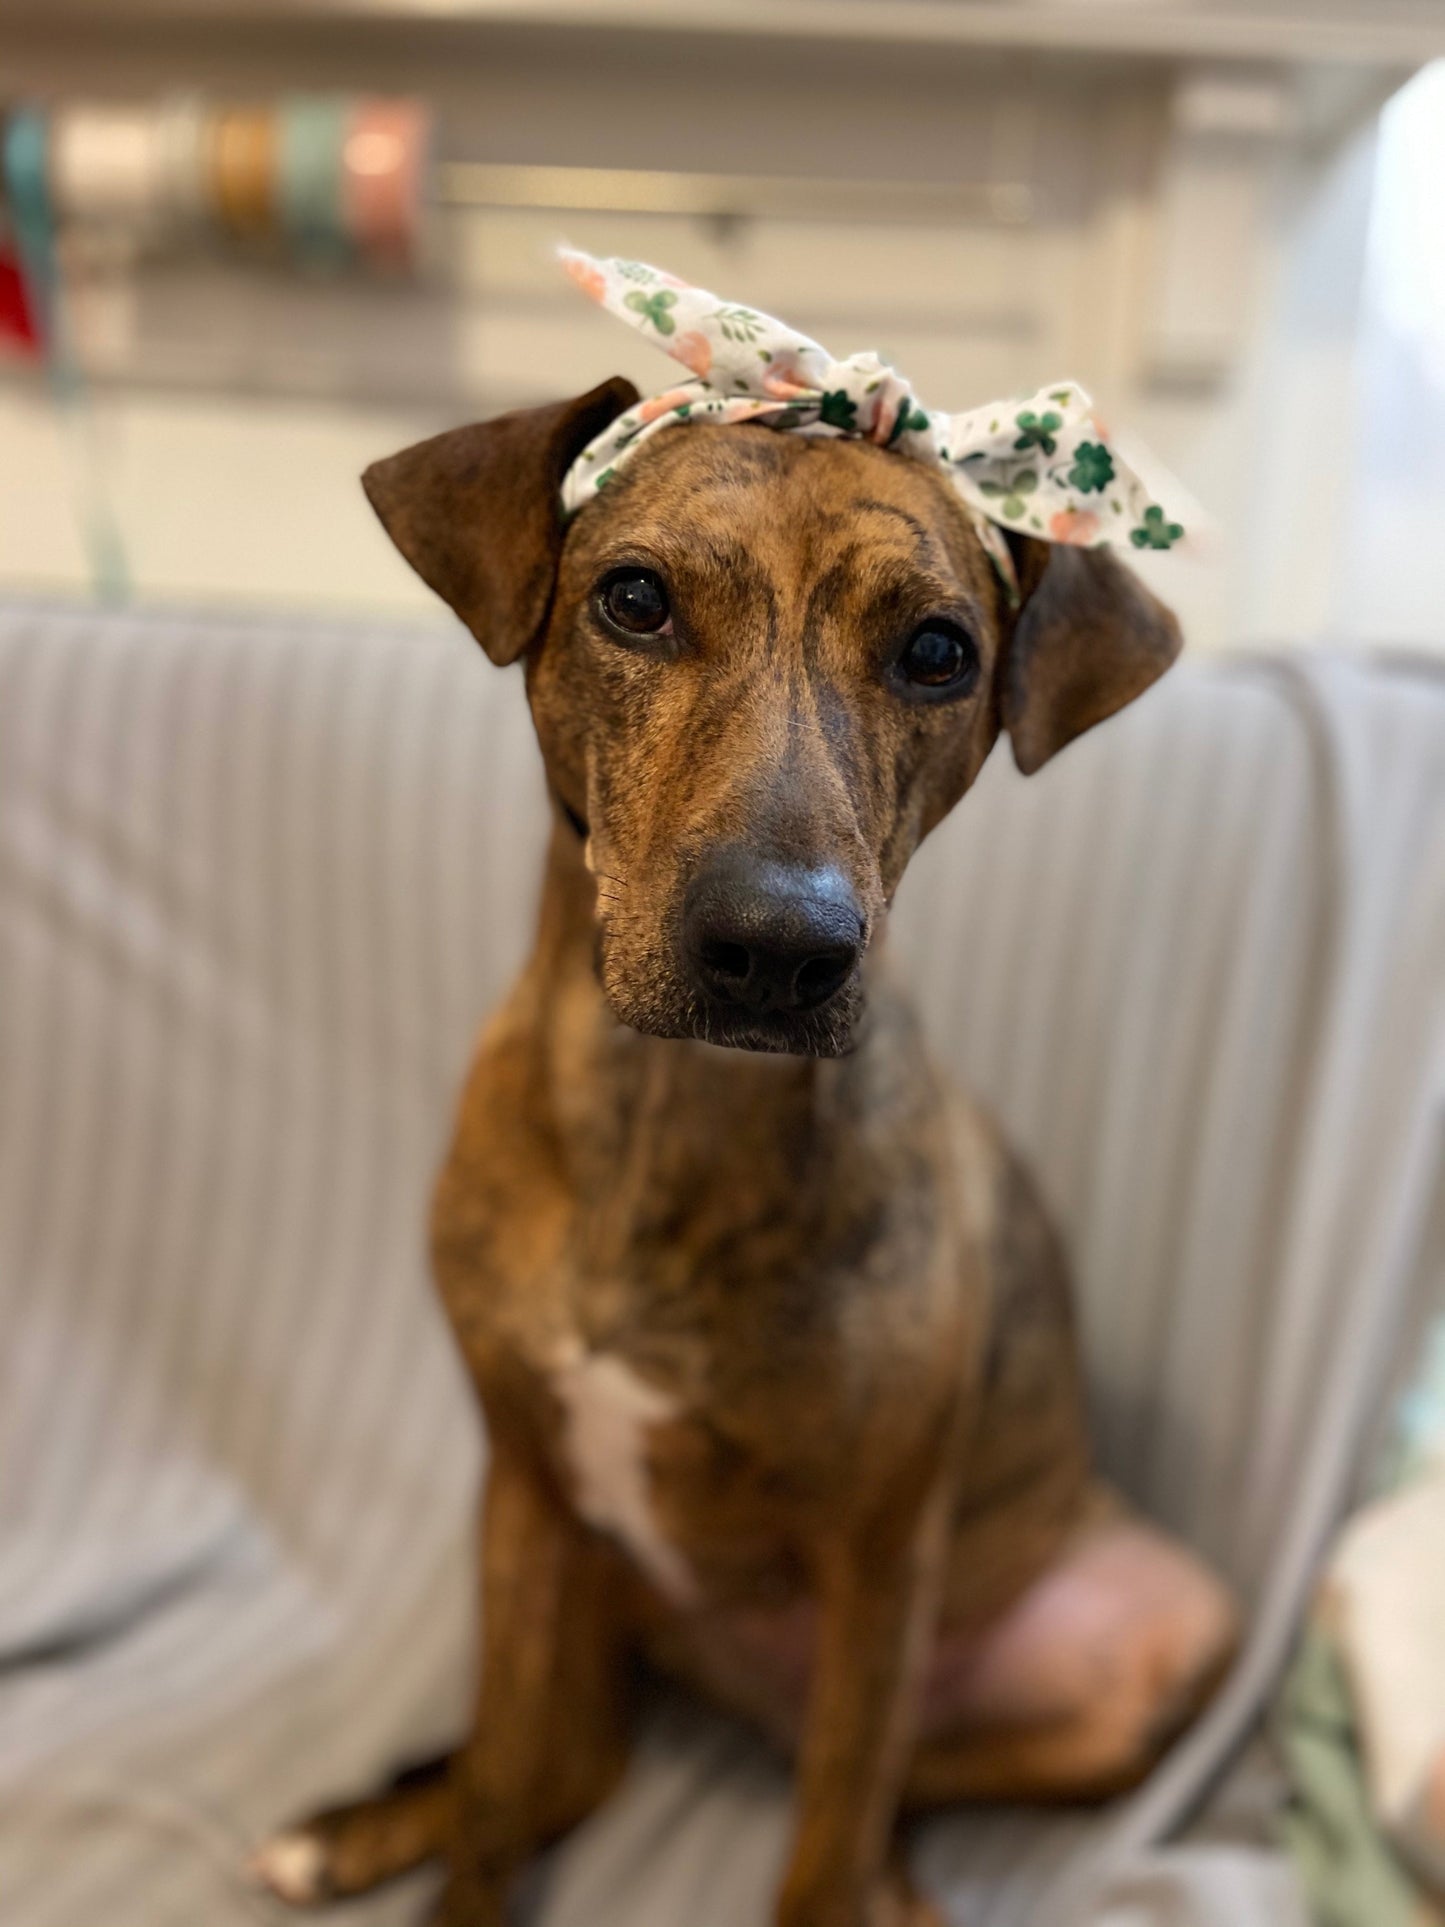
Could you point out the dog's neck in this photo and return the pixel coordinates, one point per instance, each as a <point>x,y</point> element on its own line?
<point>653,1128</point>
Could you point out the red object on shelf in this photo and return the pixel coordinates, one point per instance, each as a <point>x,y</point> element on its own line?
<point>17,323</point>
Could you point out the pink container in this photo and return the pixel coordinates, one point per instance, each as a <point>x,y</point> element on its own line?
<point>385,163</point>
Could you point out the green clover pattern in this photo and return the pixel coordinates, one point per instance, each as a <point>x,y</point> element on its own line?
<point>1156,532</point>
<point>911,420</point>
<point>1037,431</point>
<point>1093,468</point>
<point>654,308</point>
<point>1010,495</point>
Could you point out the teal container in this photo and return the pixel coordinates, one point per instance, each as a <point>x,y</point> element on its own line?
<point>313,129</point>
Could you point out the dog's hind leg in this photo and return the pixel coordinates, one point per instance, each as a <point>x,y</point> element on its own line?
<point>349,1849</point>
<point>1077,1690</point>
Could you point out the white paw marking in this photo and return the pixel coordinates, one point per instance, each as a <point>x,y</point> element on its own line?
<point>610,1412</point>
<point>293,1866</point>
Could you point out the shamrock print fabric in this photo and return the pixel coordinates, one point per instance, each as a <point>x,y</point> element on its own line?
<point>1043,467</point>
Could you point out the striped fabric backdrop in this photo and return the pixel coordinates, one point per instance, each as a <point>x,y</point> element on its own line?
<point>258,884</point>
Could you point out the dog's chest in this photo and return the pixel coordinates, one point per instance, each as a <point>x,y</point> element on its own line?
<point>610,1414</point>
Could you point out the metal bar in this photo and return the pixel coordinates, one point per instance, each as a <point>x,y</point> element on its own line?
<point>734,197</point>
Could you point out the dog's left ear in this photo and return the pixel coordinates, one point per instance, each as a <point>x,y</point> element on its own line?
<point>475,511</point>
<point>1088,639</point>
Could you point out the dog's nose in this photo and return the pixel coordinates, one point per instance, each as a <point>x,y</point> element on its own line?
<point>771,936</point>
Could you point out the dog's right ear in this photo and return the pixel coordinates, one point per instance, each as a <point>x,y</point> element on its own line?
<point>475,511</point>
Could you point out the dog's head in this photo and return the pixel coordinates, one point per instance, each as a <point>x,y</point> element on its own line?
<point>762,666</point>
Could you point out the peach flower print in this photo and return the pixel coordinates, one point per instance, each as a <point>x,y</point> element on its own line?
<point>782,383</point>
<point>693,351</point>
<point>744,408</point>
<point>885,418</point>
<point>1076,526</point>
<point>589,279</point>
<point>664,404</point>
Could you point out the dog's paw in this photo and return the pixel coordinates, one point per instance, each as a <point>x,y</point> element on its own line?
<point>292,1866</point>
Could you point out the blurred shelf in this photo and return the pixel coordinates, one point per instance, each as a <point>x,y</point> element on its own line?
<point>734,197</point>
<point>1372,33</point>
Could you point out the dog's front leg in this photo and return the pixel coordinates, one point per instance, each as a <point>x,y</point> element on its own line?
<point>879,1594</point>
<point>548,1741</point>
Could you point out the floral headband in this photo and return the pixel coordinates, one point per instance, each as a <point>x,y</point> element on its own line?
<point>1043,467</point>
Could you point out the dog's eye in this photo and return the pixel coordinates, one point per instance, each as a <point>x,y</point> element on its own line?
<point>939,658</point>
<point>634,601</point>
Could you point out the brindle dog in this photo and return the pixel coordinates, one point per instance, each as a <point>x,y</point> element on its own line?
<point>773,1342</point>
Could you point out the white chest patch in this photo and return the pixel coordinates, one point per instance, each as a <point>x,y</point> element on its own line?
<point>610,1413</point>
